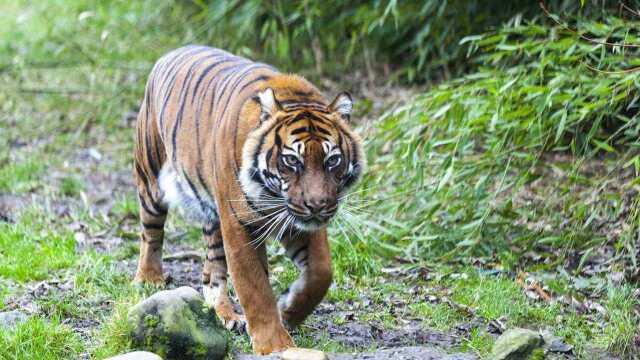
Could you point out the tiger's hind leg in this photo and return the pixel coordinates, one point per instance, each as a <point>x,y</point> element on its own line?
<point>149,157</point>
<point>214,280</point>
<point>152,219</point>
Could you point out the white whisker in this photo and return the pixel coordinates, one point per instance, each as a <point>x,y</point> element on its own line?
<point>273,214</point>
<point>265,234</point>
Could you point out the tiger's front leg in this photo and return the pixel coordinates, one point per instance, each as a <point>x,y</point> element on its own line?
<point>251,284</point>
<point>214,279</point>
<point>311,255</point>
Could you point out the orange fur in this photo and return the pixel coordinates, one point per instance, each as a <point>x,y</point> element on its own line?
<point>225,139</point>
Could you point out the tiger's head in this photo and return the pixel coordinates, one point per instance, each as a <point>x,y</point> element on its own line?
<point>300,160</point>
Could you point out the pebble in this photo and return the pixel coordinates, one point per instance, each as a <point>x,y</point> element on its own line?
<point>10,319</point>
<point>136,355</point>
<point>303,354</point>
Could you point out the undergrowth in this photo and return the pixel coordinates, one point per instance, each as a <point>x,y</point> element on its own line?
<point>451,165</point>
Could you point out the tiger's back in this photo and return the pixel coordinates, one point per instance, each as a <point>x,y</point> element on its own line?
<point>191,93</point>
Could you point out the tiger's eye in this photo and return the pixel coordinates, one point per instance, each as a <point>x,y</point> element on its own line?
<point>290,160</point>
<point>333,160</point>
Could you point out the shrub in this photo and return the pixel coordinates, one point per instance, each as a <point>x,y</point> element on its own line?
<point>460,152</point>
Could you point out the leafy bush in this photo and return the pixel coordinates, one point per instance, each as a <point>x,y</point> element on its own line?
<point>408,40</point>
<point>459,154</point>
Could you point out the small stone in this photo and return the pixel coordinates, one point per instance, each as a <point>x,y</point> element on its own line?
<point>9,319</point>
<point>136,355</point>
<point>559,346</point>
<point>555,344</point>
<point>516,344</point>
<point>303,354</point>
<point>176,324</point>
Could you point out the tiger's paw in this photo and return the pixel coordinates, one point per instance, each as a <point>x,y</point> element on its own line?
<point>149,277</point>
<point>231,320</point>
<point>267,341</point>
<point>237,325</point>
<point>222,305</point>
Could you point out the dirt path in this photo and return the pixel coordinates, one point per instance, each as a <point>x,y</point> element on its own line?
<point>403,353</point>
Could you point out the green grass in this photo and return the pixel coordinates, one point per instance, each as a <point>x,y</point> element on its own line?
<point>620,331</point>
<point>114,331</point>
<point>32,251</point>
<point>39,339</point>
<point>71,186</point>
<point>20,176</point>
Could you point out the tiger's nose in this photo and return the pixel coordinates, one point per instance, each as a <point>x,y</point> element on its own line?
<point>318,205</point>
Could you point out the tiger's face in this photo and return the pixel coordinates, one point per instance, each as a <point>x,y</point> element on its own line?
<point>301,160</point>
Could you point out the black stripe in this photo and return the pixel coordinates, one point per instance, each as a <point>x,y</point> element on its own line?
<point>323,130</point>
<point>153,226</point>
<point>303,93</point>
<point>300,107</point>
<point>302,102</point>
<point>172,75</point>
<point>217,258</point>
<point>275,128</point>
<point>147,208</point>
<point>152,164</point>
<point>157,210</point>
<point>194,190</point>
<point>182,99</point>
<point>210,229</point>
<point>297,252</point>
<point>269,155</point>
<point>225,82</point>
<point>259,78</point>
<point>300,130</point>
<point>308,116</point>
<point>216,246</point>
<point>216,93</point>
<point>204,74</point>
<point>241,77</point>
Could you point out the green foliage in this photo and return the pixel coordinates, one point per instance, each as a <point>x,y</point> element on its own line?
<point>479,342</point>
<point>415,37</point>
<point>458,154</point>
<point>114,332</point>
<point>71,186</point>
<point>622,325</point>
<point>31,251</point>
<point>21,176</point>
<point>415,41</point>
<point>38,339</point>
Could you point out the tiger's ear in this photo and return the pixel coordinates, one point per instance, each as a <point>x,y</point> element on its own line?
<point>343,105</point>
<point>268,103</point>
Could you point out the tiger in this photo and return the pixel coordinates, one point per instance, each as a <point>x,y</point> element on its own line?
<point>250,154</point>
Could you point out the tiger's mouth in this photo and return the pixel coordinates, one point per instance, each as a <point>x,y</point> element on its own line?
<point>306,220</point>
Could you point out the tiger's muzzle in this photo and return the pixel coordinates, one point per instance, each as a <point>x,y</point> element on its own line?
<point>312,214</point>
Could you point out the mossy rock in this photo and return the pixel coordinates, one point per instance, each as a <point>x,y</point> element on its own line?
<point>176,324</point>
<point>517,344</point>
